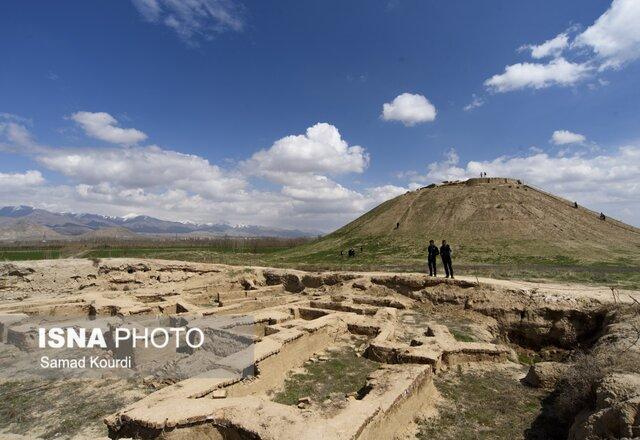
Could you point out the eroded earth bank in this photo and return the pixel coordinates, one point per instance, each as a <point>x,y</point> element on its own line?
<point>333,355</point>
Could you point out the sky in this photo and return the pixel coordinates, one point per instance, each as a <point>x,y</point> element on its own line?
<point>307,114</point>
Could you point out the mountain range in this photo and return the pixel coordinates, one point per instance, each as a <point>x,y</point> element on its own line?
<point>20,223</point>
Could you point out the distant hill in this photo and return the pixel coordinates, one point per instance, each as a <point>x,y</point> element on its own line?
<point>489,220</point>
<point>24,230</point>
<point>27,223</point>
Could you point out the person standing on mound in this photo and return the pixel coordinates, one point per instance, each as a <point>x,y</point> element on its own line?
<point>445,254</point>
<point>432,253</point>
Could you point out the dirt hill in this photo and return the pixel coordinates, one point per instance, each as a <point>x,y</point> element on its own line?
<point>22,230</point>
<point>488,220</point>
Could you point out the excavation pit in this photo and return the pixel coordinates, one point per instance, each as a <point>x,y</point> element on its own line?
<point>345,355</point>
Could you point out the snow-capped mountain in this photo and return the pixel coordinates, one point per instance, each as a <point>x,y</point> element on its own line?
<point>74,225</point>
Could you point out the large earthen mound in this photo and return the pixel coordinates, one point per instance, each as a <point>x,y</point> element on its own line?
<point>488,220</point>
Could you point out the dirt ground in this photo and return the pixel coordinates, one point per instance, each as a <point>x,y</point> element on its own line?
<point>369,355</point>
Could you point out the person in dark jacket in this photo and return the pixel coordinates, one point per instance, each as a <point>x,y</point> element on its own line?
<point>445,254</point>
<point>432,253</point>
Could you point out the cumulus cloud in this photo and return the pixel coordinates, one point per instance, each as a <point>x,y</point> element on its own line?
<point>538,76</point>
<point>13,129</point>
<point>615,36</point>
<point>410,109</point>
<point>606,182</point>
<point>142,167</point>
<point>564,137</point>
<point>14,181</point>
<point>550,48</point>
<point>154,181</point>
<point>16,133</point>
<point>193,20</point>
<point>103,126</point>
<point>611,42</point>
<point>320,150</point>
<point>302,165</point>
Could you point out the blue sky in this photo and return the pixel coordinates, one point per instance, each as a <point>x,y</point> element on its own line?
<point>208,110</point>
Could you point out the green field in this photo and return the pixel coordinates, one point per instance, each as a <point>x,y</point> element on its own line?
<point>29,254</point>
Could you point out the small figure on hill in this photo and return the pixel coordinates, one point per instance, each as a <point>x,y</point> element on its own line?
<point>352,252</point>
<point>342,253</point>
<point>575,205</point>
<point>432,253</point>
<point>602,216</point>
<point>445,254</point>
<point>360,249</point>
<point>397,225</point>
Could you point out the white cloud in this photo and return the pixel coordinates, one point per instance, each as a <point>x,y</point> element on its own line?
<point>101,125</point>
<point>16,133</point>
<point>167,184</point>
<point>410,109</point>
<point>142,167</point>
<point>564,137</point>
<point>476,102</point>
<point>14,181</point>
<point>550,48</point>
<point>193,20</point>
<point>13,129</point>
<point>538,76</point>
<point>615,36</point>
<point>302,164</point>
<point>316,187</point>
<point>605,182</point>
<point>320,150</point>
<point>379,194</point>
<point>612,41</point>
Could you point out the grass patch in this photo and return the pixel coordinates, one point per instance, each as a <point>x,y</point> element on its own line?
<point>461,335</point>
<point>482,405</point>
<point>342,373</point>
<point>58,409</point>
<point>29,254</point>
<point>526,358</point>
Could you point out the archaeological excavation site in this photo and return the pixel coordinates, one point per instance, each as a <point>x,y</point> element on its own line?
<point>308,355</point>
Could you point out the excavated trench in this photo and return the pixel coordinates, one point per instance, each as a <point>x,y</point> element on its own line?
<point>531,323</point>
<point>527,322</point>
<point>542,328</point>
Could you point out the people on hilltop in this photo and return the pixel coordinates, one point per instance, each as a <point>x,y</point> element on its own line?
<point>575,205</point>
<point>351,253</point>
<point>602,216</point>
<point>445,254</point>
<point>432,253</point>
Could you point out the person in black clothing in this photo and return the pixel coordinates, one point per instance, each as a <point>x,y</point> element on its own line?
<point>432,253</point>
<point>445,254</point>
